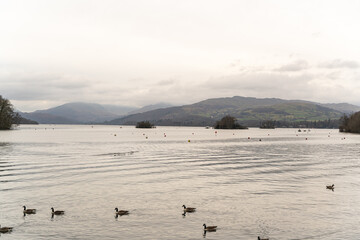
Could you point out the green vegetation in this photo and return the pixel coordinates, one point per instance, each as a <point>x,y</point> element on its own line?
<point>350,123</point>
<point>228,122</point>
<point>268,124</point>
<point>144,124</point>
<point>7,115</point>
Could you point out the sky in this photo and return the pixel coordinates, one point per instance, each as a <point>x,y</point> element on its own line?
<point>141,52</point>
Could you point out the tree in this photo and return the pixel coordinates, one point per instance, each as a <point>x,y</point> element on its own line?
<point>228,122</point>
<point>270,124</point>
<point>7,115</point>
<point>350,124</point>
<point>144,124</point>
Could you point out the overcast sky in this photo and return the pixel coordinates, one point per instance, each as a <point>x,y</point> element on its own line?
<point>141,52</point>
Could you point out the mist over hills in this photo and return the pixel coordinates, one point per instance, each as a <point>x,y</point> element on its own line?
<point>249,111</point>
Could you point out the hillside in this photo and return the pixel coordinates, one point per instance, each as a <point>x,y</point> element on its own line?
<point>83,113</point>
<point>342,107</point>
<point>45,118</point>
<point>248,111</point>
<point>72,113</point>
<point>150,107</point>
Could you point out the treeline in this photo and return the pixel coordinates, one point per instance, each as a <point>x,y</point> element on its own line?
<point>350,123</point>
<point>8,116</point>
<point>329,123</point>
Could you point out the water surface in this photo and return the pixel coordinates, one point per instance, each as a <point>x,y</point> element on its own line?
<point>273,188</point>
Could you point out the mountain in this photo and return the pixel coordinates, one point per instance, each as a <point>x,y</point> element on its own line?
<point>80,113</point>
<point>45,118</point>
<point>342,107</point>
<point>119,110</point>
<point>23,120</point>
<point>249,111</point>
<point>72,113</point>
<point>150,107</point>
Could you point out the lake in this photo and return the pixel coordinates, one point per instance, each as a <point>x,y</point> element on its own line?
<point>270,188</point>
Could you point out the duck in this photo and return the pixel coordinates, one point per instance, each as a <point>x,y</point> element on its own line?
<point>58,212</point>
<point>209,228</point>
<point>262,238</point>
<point>5,229</point>
<point>330,187</point>
<point>121,212</point>
<point>188,209</point>
<point>29,211</point>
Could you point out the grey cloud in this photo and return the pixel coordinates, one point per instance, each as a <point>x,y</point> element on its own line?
<point>293,67</point>
<point>33,86</point>
<point>259,80</point>
<point>338,63</point>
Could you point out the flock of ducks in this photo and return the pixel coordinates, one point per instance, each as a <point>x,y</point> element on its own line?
<point>126,212</point>
<point>30,211</point>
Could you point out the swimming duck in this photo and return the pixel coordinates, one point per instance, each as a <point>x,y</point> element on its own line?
<point>29,211</point>
<point>188,209</point>
<point>5,229</point>
<point>58,212</point>
<point>121,212</point>
<point>330,187</point>
<point>209,228</point>
<point>262,238</point>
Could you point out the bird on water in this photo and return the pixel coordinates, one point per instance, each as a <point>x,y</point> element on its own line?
<point>5,229</point>
<point>121,212</point>
<point>58,212</point>
<point>189,209</point>
<point>209,228</point>
<point>28,210</point>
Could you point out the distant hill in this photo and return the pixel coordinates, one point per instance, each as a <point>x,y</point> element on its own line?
<point>150,107</point>
<point>46,118</point>
<point>23,120</point>
<point>248,111</point>
<point>72,113</point>
<point>342,107</point>
<point>83,113</point>
<point>119,110</point>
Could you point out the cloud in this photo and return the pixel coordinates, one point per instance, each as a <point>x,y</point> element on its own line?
<point>260,84</point>
<point>338,63</point>
<point>30,86</point>
<point>294,67</point>
<point>314,85</point>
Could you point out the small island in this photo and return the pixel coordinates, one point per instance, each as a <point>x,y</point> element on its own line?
<point>144,124</point>
<point>228,122</point>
